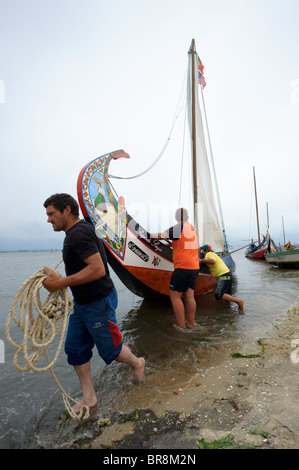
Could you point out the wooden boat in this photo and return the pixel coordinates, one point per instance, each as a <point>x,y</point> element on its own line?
<point>266,245</point>
<point>143,264</point>
<point>284,259</point>
<point>258,251</point>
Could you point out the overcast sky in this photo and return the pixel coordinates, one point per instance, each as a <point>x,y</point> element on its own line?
<point>81,78</point>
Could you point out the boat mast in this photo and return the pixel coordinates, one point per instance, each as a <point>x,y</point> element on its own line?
<point>256,206</point>
<point>195,185</point>
<point>284,238</point>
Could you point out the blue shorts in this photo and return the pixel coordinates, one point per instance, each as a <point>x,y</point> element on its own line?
<point>93,324</point>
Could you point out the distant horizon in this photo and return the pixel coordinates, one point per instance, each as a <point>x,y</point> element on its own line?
<point>7,245</point>
<point>28,250</point>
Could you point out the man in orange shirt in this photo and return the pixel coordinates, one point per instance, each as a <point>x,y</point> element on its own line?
<point>186,268</point>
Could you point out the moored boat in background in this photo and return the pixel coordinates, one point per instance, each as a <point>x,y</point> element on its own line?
<point>258,251</point>
<point>267,245</point>
<point>284,259</point>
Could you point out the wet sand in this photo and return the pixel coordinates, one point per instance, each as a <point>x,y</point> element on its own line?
<point>237,402</point>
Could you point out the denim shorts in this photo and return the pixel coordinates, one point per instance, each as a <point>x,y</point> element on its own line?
<point>93,324</point>
<point>223,285</point>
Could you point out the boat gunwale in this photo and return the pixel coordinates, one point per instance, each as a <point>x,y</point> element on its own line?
<point>282,253</point>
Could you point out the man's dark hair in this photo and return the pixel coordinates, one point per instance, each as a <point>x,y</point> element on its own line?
<point>60,201</point>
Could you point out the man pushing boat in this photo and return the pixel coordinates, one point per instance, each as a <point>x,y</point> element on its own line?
<point>221,273</point>
<point>186,268</point>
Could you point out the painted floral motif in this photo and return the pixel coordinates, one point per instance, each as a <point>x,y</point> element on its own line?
<point>156,261</point>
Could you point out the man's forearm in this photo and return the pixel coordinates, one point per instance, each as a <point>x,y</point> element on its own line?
<point>206,261</point>
<point>86,275</point>
<point>94,270</point>
<point>160,235</point>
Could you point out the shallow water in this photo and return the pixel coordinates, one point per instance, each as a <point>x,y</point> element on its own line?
<point>31,402</point>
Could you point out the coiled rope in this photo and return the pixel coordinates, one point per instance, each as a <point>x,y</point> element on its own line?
<point>40,324</point>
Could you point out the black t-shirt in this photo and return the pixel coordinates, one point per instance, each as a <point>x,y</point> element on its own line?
<point>81,242</point>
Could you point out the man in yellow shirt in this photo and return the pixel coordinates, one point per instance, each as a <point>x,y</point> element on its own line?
<point>221,273</point>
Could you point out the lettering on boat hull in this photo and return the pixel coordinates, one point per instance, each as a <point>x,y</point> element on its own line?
<point>138,252</point>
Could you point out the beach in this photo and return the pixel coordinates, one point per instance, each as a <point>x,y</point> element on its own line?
<point>247,399</point>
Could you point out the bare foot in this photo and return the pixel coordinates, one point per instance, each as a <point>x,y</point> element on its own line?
<point>137,372</point>
<point>78,407</point>
<point>180,328</point>
<point>241,304</point>
<point>83,403</point>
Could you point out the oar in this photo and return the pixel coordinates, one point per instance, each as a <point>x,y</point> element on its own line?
<point>238,249</point>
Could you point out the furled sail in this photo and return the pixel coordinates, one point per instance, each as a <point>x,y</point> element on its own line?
<point>208,230</point>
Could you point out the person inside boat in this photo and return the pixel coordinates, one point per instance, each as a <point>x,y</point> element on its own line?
<point>221,273</point>
<point>93,320</point>
<point>186,268</point>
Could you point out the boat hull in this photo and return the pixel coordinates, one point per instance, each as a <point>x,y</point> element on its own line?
<point>143,264</point>
<point>284,259</point>
<point>149,283</point>
<point>259,252</point>
<point>147,265</point>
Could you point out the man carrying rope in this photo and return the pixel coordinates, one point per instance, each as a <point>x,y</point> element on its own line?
<point>95,298</point>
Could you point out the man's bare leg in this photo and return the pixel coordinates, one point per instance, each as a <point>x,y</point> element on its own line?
<point>137,363</point>
<point>230,298</point>
<point>89,397</point>
<point>178,307</point>
<point>190,306</point>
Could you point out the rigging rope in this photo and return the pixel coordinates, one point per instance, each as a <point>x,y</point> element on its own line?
<point>176,115</point>
<point>182,159</point>
<point>39,331</point>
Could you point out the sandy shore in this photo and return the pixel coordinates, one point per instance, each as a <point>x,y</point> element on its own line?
<point>238,402</point>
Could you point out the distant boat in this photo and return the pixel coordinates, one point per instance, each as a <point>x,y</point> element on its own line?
<point>284,259</point>
<point>143,264</point>
<point>286,256</point>
<point>267,245</point>
<point>258,251</point>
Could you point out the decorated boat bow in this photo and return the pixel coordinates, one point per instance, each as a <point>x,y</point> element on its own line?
<point>100,206</point>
